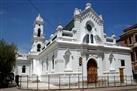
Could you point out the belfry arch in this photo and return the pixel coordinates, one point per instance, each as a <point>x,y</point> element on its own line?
<point>39,32</point>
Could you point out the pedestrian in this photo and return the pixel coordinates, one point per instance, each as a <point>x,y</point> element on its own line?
<point>17,80</point>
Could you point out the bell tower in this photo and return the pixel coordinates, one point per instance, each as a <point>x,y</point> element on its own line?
<point>38,36</point>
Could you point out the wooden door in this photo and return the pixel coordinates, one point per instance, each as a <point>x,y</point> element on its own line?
<point>91,71</point>
<point>121,71</point>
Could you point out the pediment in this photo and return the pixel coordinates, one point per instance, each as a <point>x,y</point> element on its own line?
<point>90,13</point>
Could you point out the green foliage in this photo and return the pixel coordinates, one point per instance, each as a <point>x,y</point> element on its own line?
<point>7,57</point>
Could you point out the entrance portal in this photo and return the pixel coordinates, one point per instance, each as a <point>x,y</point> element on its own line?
<point>91,71</point>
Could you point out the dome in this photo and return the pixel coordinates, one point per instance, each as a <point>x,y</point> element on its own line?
<point>113,36</point>
<point>39,19</point>
<point>59,27</point>
<point>51,35</point>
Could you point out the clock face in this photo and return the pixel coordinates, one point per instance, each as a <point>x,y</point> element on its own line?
<point>89,28</point>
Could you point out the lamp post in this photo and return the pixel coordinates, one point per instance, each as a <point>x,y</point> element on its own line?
<point>82,78</point>
<point>1,34</point>
<point>81,64</point>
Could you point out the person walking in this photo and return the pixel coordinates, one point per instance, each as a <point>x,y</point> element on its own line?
<point>17,80</point>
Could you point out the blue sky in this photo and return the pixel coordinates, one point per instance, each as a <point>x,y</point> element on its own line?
<point>17,17</point>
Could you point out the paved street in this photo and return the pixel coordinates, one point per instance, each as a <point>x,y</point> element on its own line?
<point>127,88</point>
<point>12,89</point>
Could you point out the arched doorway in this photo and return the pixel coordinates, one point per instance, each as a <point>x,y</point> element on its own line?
<point>91,71</point>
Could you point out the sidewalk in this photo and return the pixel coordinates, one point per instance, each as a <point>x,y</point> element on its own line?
<point>126,88</point>
<point>46,86</point>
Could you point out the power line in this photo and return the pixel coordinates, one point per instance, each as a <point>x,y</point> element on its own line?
<point>37,10</point>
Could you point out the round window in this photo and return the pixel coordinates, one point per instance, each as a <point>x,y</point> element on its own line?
<point>89,28</point>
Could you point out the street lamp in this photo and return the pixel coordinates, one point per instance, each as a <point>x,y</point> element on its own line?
<point>81,64</point>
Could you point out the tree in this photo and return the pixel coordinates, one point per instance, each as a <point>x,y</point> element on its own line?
<point>7,60</point>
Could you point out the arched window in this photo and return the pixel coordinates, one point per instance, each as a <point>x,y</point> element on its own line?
<point>23,69</point>
<point>86,39</point>
<point>91,37</point>
<point>53,62</point>
<point>39,32</point>
<point>38,47</point>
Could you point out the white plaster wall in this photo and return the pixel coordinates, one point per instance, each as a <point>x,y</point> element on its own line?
<point>75,60</point>
<point>47,57</point>
<point>117,63</point>
<point>60,57</point>
<point>37,67</point>
<point>100,66</point>
<point>44,68</point>
<point>19,70</point>
<point>106,62</point>
<point>127,67</point>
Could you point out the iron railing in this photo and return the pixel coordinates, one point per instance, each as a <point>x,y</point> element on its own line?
<point>72,81</point>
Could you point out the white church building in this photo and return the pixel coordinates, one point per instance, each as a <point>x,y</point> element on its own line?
<point>80,47</point>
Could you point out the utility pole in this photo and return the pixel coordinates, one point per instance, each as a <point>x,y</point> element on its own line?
<point>81,63</point>
<point>1,34</point>
<point>82,78</point>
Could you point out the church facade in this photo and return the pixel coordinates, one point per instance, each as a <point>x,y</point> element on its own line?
<point>80,47</point>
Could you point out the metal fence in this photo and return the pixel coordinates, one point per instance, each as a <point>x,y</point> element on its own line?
<point>72,81</point>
